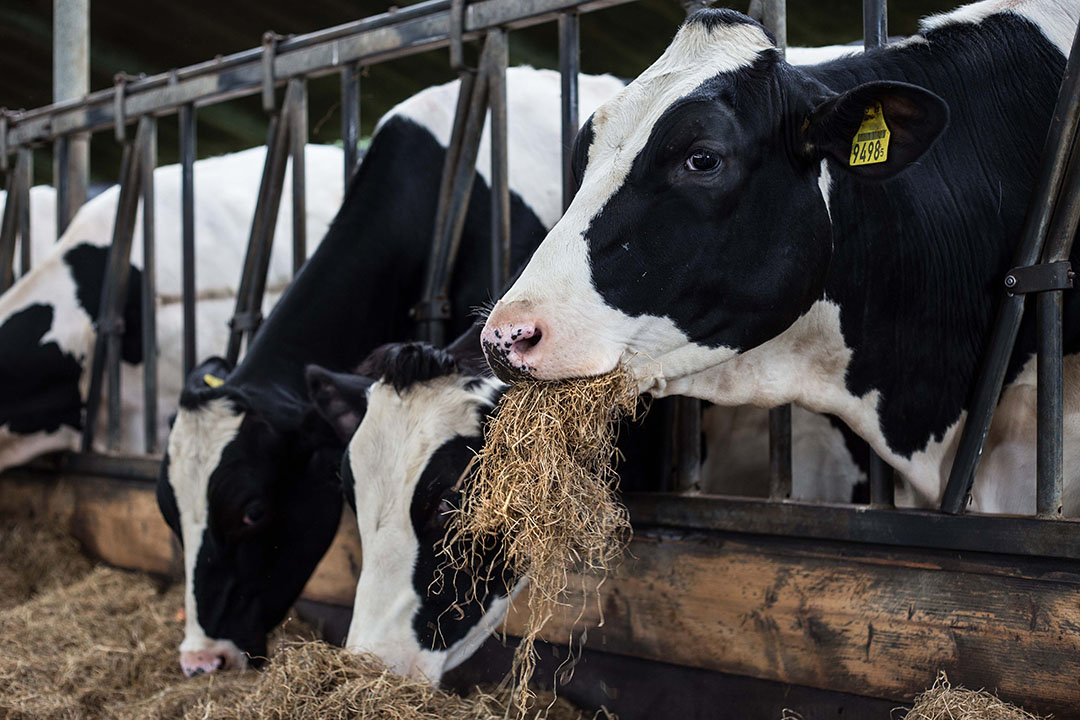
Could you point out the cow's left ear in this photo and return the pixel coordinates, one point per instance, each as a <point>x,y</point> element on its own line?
<point>878,129</point>
<point>341,398</point>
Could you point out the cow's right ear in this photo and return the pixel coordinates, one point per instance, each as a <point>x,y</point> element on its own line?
<point>340,398</point>
<point>210,373</point>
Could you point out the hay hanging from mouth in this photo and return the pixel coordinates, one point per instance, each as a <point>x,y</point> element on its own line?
<point>945,702</point>
<point>545,486</point>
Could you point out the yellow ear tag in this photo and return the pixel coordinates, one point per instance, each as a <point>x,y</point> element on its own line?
<point>213,380</point>
<point>871,143</point>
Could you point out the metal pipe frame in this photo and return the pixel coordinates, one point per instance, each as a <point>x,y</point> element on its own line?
<point>147,162</point>
<point>1050,399</point>
<point>9,228</point>
<point>110,323</point>
<point>25,165</point>
<point>498,58</point>
<point>187,233</point>
<point>62,182</point>
<point>298,137</point>
<point>995,360</point>
<point>569,71</point>
<point>418,28</point>
<point>350,119</point>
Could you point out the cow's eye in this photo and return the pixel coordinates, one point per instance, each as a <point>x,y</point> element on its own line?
<point>254,515</point>
<point>702,160</point>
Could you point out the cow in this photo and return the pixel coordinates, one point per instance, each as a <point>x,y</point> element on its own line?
<point>47,316</point>
<point>248,482</point>
<point>412,416</point>
<point>42,223</point>
<point>734,240</point>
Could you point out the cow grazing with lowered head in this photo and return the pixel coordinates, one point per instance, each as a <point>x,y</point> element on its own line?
<point>47,317</point>
<point>724,244</point>
<point>249,481</point>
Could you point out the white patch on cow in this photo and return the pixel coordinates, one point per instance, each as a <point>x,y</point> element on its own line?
<point>531,135</point>
<point>817,55</point>
<point>1056,18</point>
<point>196,442</point>
<point>388,454</point>
<point>825,185</point>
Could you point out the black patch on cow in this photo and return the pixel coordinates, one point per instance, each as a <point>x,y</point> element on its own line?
<point>712,18</point>
<point>166,499</point>
<point>914,262</point>
<point>448,610</point>
<point>403,364</point>
<point>88,263</point>
<point>39,382</point>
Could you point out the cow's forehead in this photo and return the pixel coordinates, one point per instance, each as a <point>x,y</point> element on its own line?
<point>196,442</point>
<point>700,52</point>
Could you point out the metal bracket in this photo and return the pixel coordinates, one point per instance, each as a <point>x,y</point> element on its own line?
<point>111,326</point>
<point>457,37</point>
<point>270,42</point>
<point>246,321</point>
<point>1039,278</point>
<point>437,309</point>
<point>120,81</point>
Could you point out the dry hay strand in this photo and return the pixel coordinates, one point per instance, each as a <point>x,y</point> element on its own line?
<point>316,681</point>
<point>945,702</point>
<point>36,557</point>
<point>102,647</point>
<point>545,487</point>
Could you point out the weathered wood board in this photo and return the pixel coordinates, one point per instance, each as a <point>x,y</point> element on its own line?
<point>874,621</point>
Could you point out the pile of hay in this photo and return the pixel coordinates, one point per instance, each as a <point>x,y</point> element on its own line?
<point>945,702</point>
<point>544,491</point>
<point>36,558</point>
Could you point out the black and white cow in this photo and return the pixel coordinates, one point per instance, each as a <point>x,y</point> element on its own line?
<point>47,316</point>
<point>249,482</point>
<point>723,245</point>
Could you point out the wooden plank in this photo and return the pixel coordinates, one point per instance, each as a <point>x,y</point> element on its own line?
<point>879,624</point>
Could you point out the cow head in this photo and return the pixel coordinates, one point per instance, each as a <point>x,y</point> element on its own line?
<point>255,508</point>
<point>701,225</point>
<point>422,420</point>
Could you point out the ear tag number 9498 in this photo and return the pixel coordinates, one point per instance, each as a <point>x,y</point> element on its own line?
<point>871,143</point>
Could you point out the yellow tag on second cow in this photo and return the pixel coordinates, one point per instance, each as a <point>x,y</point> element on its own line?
<point>871,143</point>
<point>213,380</point>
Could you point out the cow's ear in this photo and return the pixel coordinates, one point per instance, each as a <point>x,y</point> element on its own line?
<point>340,398</point>
<point>210,373</point>
<point>877,129</point>
<point>467,352</point>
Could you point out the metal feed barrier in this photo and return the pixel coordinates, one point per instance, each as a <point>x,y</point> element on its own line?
<point>1041,265</point>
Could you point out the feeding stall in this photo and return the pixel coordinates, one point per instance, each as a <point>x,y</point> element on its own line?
<point>722,601</point>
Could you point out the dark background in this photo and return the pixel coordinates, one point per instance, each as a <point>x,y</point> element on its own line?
<point>151,36</point>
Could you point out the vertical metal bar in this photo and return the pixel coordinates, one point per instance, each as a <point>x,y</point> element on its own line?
<point>1055,152</point>
<point>147,163</point>
<point>350,118</point>
<point>9,230</point>
<point>780,452</point>
<point>62,183</point>
<point>569,70</point>
<point>298,137</point>
<point>1050,460</point>
<point>109,336</point>
<point>774,18</point>
<point>875,23</point>
<point>875,34</point>
<point>187,225</point>
<point>26,180</point>
<point>71,79</point>
<point>495,72</point>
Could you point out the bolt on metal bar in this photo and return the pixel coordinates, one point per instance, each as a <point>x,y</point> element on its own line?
<point>1007,324</point>
<point>298,137</point>
<point>110,324</point>
<point>875,34</point>
<point>187,233</point>
<point>248,315</point>
<point>495,73</point>
<point>350,118</point>
<point>26,174</point>
<point>569,70</point>
<point>147,163</point>
<point>1050,392</point>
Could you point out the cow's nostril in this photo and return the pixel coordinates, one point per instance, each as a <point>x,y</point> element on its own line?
<point>194,672</point>
<point>525,345</point>
<point>220,662</point>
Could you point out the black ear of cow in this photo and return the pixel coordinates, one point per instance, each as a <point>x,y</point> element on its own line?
<point>210,373</point>
<point>914,116</point>
<point>340,398</point>
<point>467,352</point>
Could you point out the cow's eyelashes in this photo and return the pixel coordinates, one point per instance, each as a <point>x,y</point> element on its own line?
<point>702,160</point>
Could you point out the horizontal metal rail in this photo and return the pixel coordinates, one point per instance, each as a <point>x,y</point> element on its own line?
<point>421,27</point>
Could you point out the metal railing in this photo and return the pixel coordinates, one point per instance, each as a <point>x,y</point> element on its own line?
<point>345,49</point>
